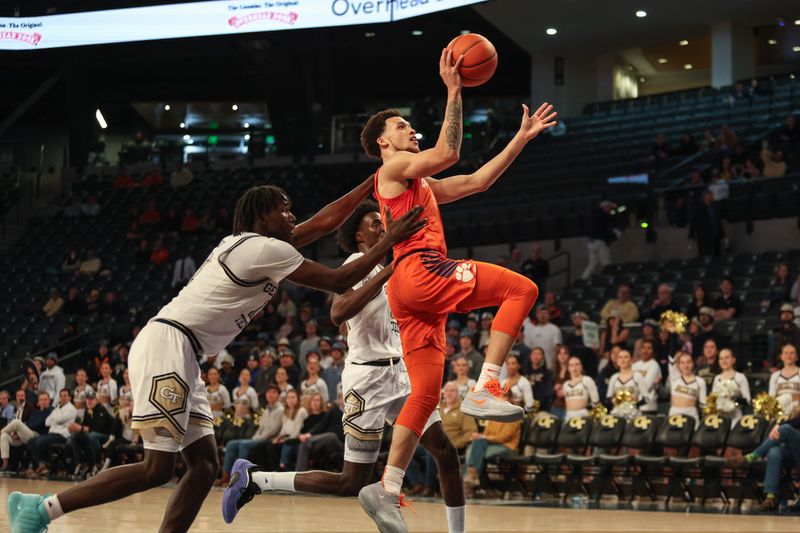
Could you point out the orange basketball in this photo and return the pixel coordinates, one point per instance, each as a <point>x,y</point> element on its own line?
<point>480,58</point>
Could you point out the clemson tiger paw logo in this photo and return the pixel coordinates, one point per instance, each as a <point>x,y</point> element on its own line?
<point>464,272</point>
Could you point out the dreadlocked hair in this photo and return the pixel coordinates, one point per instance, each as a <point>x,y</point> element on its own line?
<point>255,202</point>
<point>374,129</point>
<point>346,236</point>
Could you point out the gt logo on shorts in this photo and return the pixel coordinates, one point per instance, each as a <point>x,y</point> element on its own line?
<point>168,394</point>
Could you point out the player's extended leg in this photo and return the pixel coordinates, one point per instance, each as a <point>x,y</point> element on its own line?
<point>185,502</point>
<point>515,295</point>
<point>31,513</point>
<point>446,456</point>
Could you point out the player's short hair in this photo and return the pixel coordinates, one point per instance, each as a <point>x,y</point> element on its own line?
<point>373,129</point>
<point>346,236</point>
<point>255,202</point>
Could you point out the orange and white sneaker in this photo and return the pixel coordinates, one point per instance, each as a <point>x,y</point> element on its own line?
<point>489,404</point>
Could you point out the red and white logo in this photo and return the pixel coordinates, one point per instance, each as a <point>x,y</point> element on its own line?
<point>287,18</point>
<point>30,38</point>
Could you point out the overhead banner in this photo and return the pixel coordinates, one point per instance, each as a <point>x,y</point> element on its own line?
<point>205,18</point>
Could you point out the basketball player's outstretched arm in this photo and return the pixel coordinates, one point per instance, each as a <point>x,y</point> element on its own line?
<point>457,187</point>
<point>338,280</point>
<point>408,165</point>
<point>351,302</point>
<point>330,217</point>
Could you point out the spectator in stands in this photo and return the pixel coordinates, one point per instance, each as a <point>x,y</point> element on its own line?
<point>23,430</point>
<point>515,258</point>
<point>315,413</point>
<point>313,382</point>
<point>729,377</point>
<point>544,334</point>
<point>472,325</point>
<point>752,168</point>
<point>182,272</point>
<point>660,151</point>
<point>650,371</point>
<point>786,333</point>
<point>82,388</point>
<point>287,306</point>
<point>207,223</point>
<point>124,180</point>
<point>600,234</point>
<point>720,190</point>
<point>552,308</point>
<point>649,328</point>
<point>228,375</point>
<point>53,304</point>
<point>467,350</point>
<point>485,328</point>
<point>663,302</point>
<point>497,440</point>
<point>609,367</point>
<point>181,177</point>
<point>614,334</point>
<point>153,178</point>
<point>269,427</point>
<point>288,362</point>
<point>708,363</point>
<point>91,265</point>
<point>107,388</point>
<point>781,290</point>
<point>72,263</point>
<point>90,208</point>
<point>727,172</point>
<point>560,376</point>
<point>219,398</point>
<point>189,223</point>
<point>150,216</point>
<point>325,438</point>
<point>266,374</point>
<point>687,391</point>
<point>574,341</point>
<point>783,383</point>
<point>740,92</point>
<point>110,305</point>
<point>541,379</point>
<point>535,268</point>
<point>93,302</point>
<point>520,391</point>
<point>687,146</point>
<point>6,408</point>
<point>727,138</point>
<point>52,380</point>
<point>699,301</point>
<point>89,435</point>
<point>125,388</point>
<point>253,364</point>
<point>22,407</point>
<point>460,368</point>
<point>58,422</point>
<point>160,253</point>
<point>521,350</point>
<point>103,356</point>
<point>282,382</point>
<point>294,416</point>
<point>310,342</point>
<point>244,390</point>
<point>774,164</point>
<point>333,374</point>
<point>705,226</point>
<point>727,306</point>
<point>623,304</point>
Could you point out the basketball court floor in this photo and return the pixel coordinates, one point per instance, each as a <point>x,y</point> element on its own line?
<point>282,513</point>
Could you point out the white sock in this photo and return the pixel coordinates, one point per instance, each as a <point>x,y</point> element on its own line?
<point>393,479</point>
<point>456,519</point>
<point>489,372</point>
<point>53,507</point>
<point>274,480</point>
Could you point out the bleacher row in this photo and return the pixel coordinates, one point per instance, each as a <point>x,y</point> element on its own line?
<point>654,455</point>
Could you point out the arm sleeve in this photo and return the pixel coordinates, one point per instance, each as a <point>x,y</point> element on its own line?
<point>744,388</point>
<point>591,388</point>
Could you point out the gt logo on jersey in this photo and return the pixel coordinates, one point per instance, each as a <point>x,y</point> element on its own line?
<point>168,394</point>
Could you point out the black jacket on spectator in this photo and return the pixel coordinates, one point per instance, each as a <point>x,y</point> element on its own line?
<point>537,271</point>
<point>603,378</point>
<point>544,389</point>
<point>601,228</point>
<point>705,225</point>
<point>99,420</point>
<point>36,421</point>
<point>727,303</point>
<point>330,422</point>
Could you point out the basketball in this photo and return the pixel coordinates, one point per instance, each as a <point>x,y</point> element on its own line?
<point>480,58</point>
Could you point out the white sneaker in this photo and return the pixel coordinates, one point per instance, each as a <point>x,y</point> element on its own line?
<point>488,404</point>
<point>384,508</point>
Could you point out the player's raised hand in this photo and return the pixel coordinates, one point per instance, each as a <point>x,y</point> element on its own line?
<point>400,229</point>
<point>542,119</point>
<point>449,71</point>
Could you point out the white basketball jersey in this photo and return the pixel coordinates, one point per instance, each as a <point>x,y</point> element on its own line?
<point>373,333</point>
<point>236,281</point>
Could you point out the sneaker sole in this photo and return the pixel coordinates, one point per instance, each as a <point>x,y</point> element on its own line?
<point>482,415</point>
<point>234,490</point>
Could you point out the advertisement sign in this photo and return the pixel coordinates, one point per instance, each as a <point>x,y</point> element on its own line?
<point>205,18</point>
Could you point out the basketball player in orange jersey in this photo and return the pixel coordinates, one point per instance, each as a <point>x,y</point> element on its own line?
<point>426,285</point>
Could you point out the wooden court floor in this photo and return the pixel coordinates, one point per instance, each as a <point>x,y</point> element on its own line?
<point>276,513</point>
